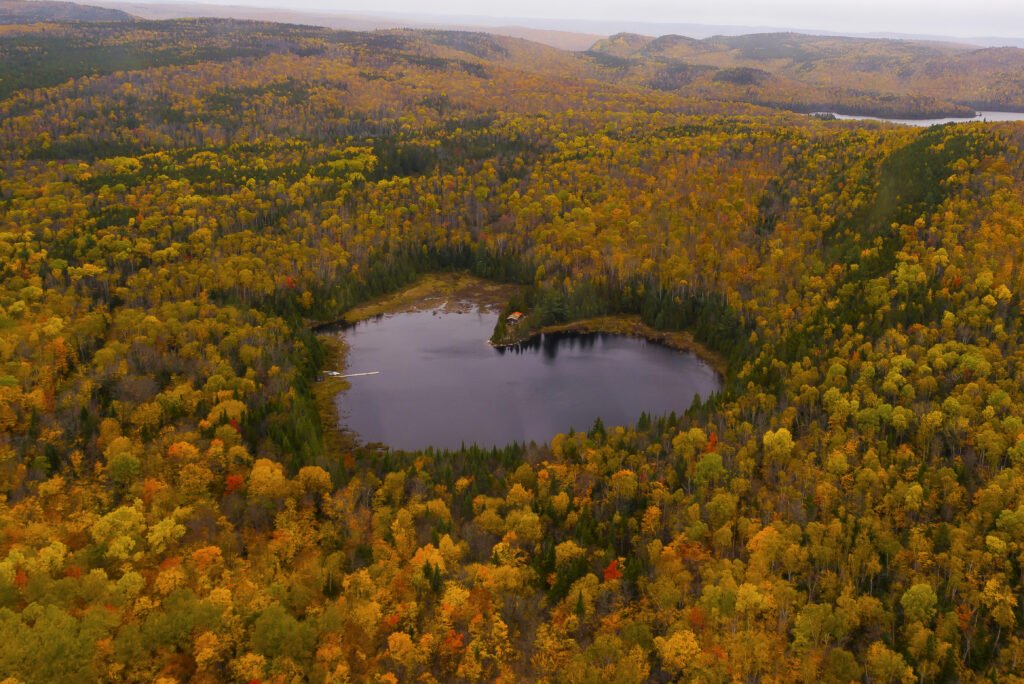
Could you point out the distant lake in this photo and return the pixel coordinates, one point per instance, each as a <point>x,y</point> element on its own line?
<point>441,384</point>
<point>982,117</point>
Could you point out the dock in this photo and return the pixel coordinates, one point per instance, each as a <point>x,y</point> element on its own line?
<point>336,374</point>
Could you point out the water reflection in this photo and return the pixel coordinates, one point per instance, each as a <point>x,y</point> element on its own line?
<point>440,384</point>
<point>550,344</point>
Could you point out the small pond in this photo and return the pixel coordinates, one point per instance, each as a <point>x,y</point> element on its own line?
<point>438,382</point>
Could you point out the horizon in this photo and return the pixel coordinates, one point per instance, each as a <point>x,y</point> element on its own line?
<point>911,18</point>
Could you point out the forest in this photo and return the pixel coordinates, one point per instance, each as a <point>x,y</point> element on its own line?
<point>183,202</point>
<point>887,78</point>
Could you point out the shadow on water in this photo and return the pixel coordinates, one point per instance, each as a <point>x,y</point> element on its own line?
<point>437,382</point>
<point>549,344</point>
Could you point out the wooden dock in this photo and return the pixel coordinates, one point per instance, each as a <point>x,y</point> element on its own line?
<point>336,374</point>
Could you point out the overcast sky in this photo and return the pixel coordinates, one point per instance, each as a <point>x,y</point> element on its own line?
<point>948,17</point>
<point>963,18</point>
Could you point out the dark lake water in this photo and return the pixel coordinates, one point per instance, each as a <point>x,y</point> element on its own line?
<point>440,384</point>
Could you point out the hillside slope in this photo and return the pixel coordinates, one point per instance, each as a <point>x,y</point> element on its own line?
<point>935,78</point>
<point>41,11</point>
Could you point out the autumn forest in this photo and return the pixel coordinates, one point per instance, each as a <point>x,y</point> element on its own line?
<point>182,203</point>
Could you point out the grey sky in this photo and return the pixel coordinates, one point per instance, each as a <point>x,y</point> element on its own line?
<point>946,17</point>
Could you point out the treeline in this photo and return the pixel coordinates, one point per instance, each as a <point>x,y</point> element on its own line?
<point>707,316</point>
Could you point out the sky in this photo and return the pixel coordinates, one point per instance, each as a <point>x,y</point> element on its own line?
<point>939,17</point>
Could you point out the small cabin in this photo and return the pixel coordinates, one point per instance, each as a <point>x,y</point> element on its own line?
<point>514,318</point>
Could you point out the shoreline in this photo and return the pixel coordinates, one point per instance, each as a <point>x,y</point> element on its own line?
<point>629,325</point>
<point>454,292</point>
<point>336,439</point>
<point>461,291</point>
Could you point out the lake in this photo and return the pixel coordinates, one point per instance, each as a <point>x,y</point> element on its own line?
<point>982,117</point>
<point>440,383</point>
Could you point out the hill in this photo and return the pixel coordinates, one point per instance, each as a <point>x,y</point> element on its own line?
<point>41,11</point>
<point>854,75</point>
<point>349,21</point>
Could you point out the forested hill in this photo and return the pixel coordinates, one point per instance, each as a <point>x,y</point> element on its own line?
<point>42,11</point>
<point>181,202</point>
<point>856,75</point>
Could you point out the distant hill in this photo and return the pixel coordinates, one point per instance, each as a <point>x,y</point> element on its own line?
<point>40,11</point>
<point>807,72</point>
<point>349,21</point>
<point>793,71</point>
